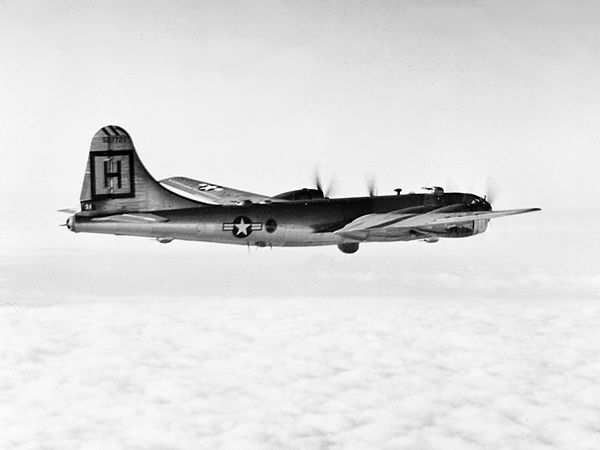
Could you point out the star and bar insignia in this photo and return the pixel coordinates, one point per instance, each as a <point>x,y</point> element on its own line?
<point>242,227</point>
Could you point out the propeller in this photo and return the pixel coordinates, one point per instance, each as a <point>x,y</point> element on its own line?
<point>317,181</point>
<point>319,184</point>
<point>492,190</point>
<point>371,186</point>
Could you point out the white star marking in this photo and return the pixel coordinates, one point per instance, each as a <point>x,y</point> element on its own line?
<point>242,228</point>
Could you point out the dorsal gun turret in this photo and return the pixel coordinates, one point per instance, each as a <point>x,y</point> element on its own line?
<point>435,190</point>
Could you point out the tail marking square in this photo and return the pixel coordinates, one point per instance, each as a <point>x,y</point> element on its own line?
<point>112,174</point>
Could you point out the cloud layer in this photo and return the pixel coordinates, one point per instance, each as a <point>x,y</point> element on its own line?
<point>300,373</point>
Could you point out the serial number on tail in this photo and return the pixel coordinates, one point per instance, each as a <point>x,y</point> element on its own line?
<point>113,139</point>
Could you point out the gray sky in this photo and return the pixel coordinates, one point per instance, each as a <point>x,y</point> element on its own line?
<point>256,95</point>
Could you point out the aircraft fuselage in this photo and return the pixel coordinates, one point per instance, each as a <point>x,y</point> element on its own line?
<point>119,196</point>
<point>290,223</point>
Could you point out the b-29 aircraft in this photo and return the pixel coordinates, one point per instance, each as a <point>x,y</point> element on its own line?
<point>119,196</point>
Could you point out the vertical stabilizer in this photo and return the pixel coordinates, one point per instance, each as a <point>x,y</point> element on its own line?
<point>116,181</point>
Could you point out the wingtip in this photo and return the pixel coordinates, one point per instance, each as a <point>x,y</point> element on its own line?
<point>527,210</point>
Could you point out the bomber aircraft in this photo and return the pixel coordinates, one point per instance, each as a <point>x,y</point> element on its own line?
<point>119,196</point>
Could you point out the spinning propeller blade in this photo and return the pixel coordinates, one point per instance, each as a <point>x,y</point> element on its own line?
<point>492,190</point>
<point>371,186</point>
<point>319,184</point>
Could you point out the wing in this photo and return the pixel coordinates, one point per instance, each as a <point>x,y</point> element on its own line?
<point>398,221</point>
<point>436,218</point>
<point>210,193</point>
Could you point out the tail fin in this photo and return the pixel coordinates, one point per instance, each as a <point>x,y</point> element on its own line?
<point>116,181</point>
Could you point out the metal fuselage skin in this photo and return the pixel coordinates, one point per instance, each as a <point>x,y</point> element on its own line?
<point>289,223</point>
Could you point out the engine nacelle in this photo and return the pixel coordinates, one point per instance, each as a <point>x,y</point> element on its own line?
<point>480,225</point>
<point>466,229</point>
<point>301,194</point>
<point>348,247</point>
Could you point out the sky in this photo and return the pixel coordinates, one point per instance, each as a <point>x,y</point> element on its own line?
<point>413,93</point>
<point>468,95</point>
<point>256,96</point>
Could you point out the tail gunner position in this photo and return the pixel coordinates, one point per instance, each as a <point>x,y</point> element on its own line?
<point>120,197</point>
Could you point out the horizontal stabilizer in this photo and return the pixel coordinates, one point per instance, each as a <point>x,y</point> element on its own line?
<point>131,218</point>
<point>68,210</point>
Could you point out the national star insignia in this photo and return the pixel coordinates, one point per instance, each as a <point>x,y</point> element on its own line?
<point>242,228</point>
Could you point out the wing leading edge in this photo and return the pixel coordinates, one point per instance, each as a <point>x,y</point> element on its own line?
<point>399,221</point>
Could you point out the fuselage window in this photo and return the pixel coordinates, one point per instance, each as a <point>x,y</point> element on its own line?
<point>270,225</point>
